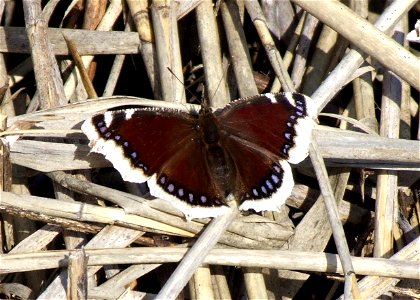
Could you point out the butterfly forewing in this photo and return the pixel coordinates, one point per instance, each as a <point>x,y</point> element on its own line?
<point>274,122</point>
<point>136,139</point>
<point>162,147</point>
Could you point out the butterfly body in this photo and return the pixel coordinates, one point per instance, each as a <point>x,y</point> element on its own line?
<point>217,158</point>
<point>198,161</point>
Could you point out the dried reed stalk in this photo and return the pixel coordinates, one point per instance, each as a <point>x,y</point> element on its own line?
<point>404,264</point>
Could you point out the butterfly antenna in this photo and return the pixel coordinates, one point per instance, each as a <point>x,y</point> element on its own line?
<point>177,78</point>
<point>204,102</point>
<point>220,81</point>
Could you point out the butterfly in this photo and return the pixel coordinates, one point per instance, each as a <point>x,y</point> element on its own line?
<point>199,161</point>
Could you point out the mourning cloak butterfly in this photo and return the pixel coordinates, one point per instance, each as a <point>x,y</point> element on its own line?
<point>200,160</point>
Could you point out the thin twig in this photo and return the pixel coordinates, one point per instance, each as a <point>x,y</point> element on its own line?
<point>48,78</point>
<point>211,53</point>
<point>302,52</point>
<point>115,71</point>
<point>257,16</point>
<point>337,228</point>
<point>241,61</point>
<point>81,68</point>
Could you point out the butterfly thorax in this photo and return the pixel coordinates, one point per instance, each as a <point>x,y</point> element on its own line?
<point>218,160</point>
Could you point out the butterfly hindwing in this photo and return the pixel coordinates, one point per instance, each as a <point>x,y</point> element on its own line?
<point>263,181</point>
<point>264,133</point>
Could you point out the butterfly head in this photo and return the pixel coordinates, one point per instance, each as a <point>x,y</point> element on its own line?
<point>205,110</point>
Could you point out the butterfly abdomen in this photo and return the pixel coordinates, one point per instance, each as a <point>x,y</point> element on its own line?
<point>218,161</point>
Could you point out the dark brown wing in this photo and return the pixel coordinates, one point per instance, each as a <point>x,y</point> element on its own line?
<point>262,134</point>
<point>262,182</point>
<point>162,147</point>
<point>280,123</point>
